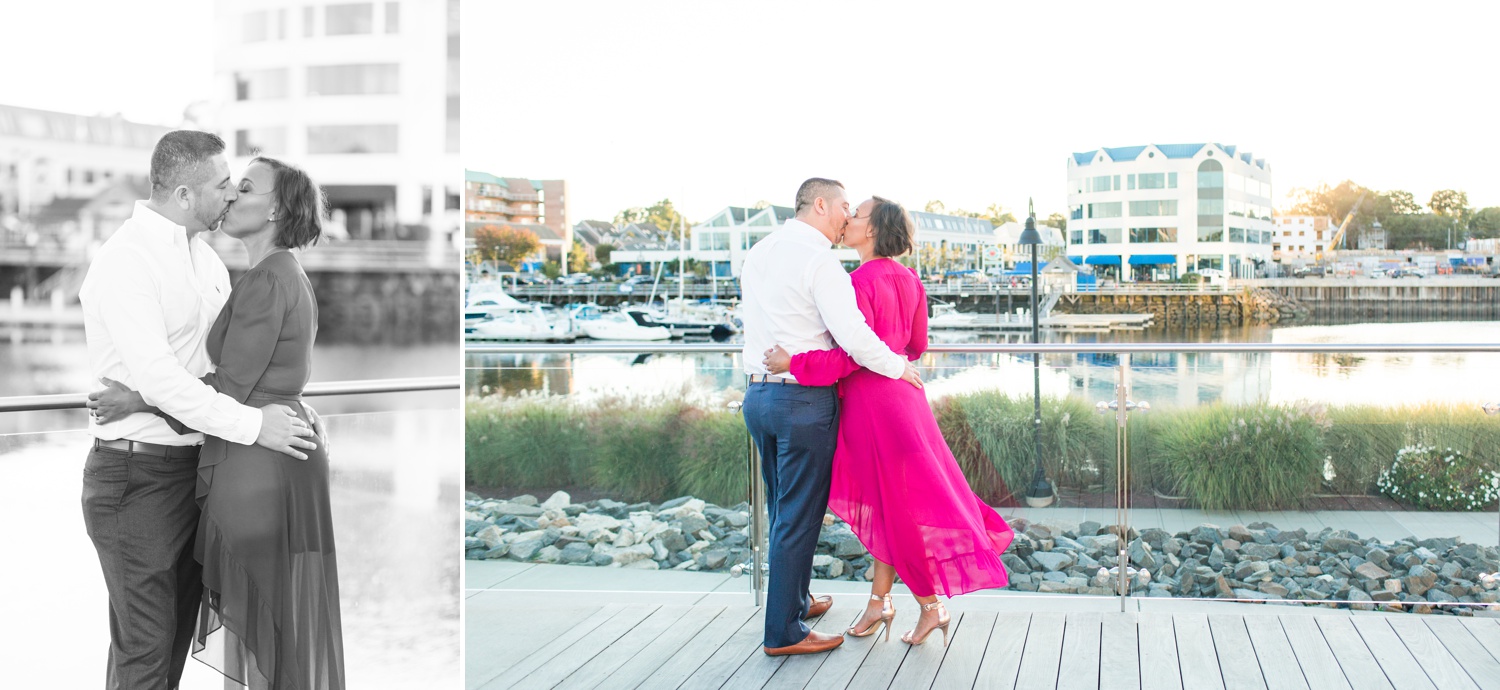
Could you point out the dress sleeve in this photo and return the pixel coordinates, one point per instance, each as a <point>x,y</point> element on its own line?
<point>250,336</point>
<point>918,343</point>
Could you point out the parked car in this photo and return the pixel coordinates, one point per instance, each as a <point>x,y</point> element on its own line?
<point>576,279</point>
<point>1407,272</point>
<point>1310,272</point>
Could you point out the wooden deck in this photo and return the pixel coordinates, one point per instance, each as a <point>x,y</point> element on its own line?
<point>650,645</point>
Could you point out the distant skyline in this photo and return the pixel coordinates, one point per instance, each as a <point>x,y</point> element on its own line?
<point>713,104</point>
<point>146,61</point>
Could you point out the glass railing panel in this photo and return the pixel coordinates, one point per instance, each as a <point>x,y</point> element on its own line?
<point>1353,479</point>
<point>392,501</point>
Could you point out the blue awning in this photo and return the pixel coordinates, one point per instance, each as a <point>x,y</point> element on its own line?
<point>1103,260</point>
<point>1024,267</point>
<point>1152,259</point>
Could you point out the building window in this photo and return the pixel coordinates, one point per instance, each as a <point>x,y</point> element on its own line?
<point>1211,207</point>
<point>1148,235</point>
<point>1105,236</point>
<point>1104,183</point>
<point>1211,234</point>
<point>1236,234</point>
<point>1076,213</point>
<point>1210,175</point>
<point>255,27</point>
<point>1171,180</point>
<point>1166,207</point>
<point>1130,182</point>
<point>270,141</point>
<point>1075,236</point>
<point>393,17</point>
<point>1153,180</point>
<point>1109,209</point>
<point>349,20</point>
<point>353,80</point>
<point>309,18</point>
<point>341,139</point>
<point>260,85</point>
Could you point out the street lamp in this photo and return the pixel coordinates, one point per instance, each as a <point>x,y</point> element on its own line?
<point>1039,494</point>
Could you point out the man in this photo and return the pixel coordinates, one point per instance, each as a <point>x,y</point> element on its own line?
<point>149,298</point>
<point>797,295</point>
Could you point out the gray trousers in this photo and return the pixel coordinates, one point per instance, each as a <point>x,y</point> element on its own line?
<point>141,514</point>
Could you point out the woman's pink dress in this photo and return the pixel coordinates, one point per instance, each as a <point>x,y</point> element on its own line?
<point>894,480</point>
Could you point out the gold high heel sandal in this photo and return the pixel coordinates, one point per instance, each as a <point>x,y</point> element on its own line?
<point>943,620</point>
<point>887,613</point>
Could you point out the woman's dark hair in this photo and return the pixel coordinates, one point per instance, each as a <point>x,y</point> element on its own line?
<point>300,206</point>
<point>893,228</point>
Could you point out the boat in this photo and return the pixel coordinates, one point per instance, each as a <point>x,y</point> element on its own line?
<point>533,324</point>
<point>945,315</point>
<point>613,325</point>
<point>684,323</point>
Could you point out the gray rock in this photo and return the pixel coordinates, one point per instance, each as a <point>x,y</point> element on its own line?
<point>1088,528</point>
<point>525,549</point>
<point>525,500</point>
<point>517,509</point>
<point>675,502</point>
<point>1053,560</point>
<point>714,559</point>
<point>548,554</point>
<point>614,509</point>
<point>1359,596</point>
<point>576,552</point>
<point>693,524</point>
<point>471,527</point>
<point>1014,564</point>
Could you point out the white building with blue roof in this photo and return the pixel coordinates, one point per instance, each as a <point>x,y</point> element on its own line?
<point>1157,211</point>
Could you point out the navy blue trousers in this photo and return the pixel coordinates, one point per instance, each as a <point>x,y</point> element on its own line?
<point>795,428</point>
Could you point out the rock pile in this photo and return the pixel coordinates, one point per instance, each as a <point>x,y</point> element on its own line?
<point>1257,562</point>
<point>1270,306</point>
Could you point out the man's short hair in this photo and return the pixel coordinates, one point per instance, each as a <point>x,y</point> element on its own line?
<point>180,157</point>
<point>812,189</point>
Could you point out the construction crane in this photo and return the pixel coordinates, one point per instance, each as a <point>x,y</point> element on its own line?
<point>1338,235</point>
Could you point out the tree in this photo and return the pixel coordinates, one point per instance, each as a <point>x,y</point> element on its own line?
<point>1059,221</point>
<point>662,214</point>
<point>602,252</point>
<point>762,204</point>
<point>1485,223</point>
<point>505,244</point>
<point>935,206</point>
<point>551,269</point>
<point>1403,202</point>
<point>998,216</point>
<point>578,258</point>
<point>1449,203</point>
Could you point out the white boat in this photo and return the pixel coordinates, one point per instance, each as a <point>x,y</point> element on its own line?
<point>683,322</point>
<point>947,316</point>
<point>528,324</point>
<point>613,325</point>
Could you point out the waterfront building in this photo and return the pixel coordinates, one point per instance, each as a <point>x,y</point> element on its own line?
<point>1156,211</point>
<point>540,206</point>
<point>1300,237</point>
<point>52,164</point>
<point>362,95</point>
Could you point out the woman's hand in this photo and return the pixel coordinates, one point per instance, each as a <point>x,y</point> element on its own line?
<point>116,402</point>
<point>777,360</point>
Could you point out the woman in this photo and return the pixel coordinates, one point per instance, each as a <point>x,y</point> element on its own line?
<point>270,612</point>
<point>894,480</point>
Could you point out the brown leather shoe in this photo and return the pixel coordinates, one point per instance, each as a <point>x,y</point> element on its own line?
<point>820,606</point>
<point>814,643</point>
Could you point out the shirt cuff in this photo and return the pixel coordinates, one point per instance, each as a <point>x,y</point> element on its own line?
<point>247,429</point>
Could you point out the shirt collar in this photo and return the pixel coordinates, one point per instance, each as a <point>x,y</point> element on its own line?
<point>157,226</point>
<point>807,233</point>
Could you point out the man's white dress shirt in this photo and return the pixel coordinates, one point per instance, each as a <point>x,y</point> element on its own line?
<point>149,299</point>
<point>798,296</point>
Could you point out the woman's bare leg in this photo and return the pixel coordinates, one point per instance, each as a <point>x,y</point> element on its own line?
<point>885,578</point>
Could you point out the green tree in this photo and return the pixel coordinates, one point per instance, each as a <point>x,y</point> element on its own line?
<point>1403,202</point>
<point>935,206</point>
<point>1485,223</point>
<point>602,252</point>
<point>1059,221</point>
<point>505,244</point>
<point>1449,203</point>
<point>551,269</point>
<point>662,214</point>
<point>997,215</point>
<point>578,258</point>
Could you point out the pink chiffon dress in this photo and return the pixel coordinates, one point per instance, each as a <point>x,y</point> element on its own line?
<point>894,479</point>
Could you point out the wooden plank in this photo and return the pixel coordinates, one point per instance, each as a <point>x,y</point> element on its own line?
<point>1442,669</point>
<point>1394,658</point>
<point>1237,662</point>
<point>574,656</point>
<point>538,655</point>
<point>700,648</point>
<point>1486,631</point>
<point>1481,665</point>
<point>727,658</point>
<point>883,660</point>
<point>1002,656</point>
<point>1273,653</point>
<point>1313,655</point>
<point>496,647</point>
<point>1119,652</point>
<point>597,669</point>
<point>759,668</point>
<point>1081,634</point>
<point>837,669</point>
<point>1349,648</point>
<point>660,646</point>
<point>1195,652</point>
<point>1043,655</point>
<point>966,652</point>
<point>1158,643</point>
<point>920,668</point>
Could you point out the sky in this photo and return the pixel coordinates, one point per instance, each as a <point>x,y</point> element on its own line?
<point>719,104</point>
<point>146,60</point>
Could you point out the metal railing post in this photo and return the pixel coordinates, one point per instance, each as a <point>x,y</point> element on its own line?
<point>1122,472</point>
<point>757,514</point>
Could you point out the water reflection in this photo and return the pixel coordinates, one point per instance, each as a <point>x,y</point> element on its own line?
<point>1165,379</point>
<point>394,522</point>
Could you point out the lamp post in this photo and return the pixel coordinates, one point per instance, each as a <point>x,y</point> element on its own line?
<point>1039,494</point>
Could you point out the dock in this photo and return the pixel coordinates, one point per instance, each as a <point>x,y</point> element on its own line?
<point>1066,323</point>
